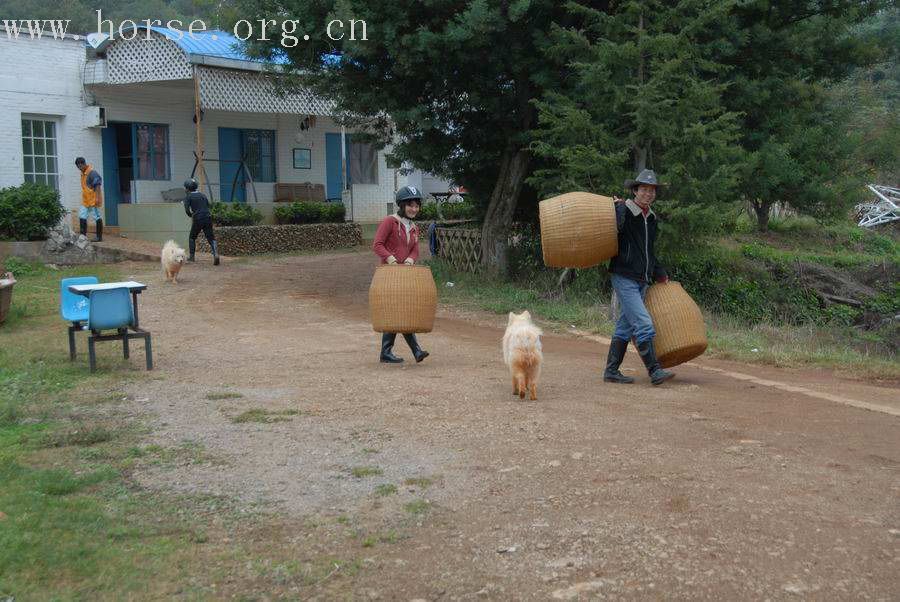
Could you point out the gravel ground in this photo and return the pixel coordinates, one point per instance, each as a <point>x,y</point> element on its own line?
<point>764,485</point>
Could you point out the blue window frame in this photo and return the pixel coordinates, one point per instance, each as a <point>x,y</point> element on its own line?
<point>259,150</point>
<point>151,149</point>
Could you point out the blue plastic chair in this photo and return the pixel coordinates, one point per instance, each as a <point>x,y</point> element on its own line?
<point>111,309</point>
<point>74,308</point>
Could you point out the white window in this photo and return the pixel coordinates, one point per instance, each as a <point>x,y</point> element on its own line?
<point>39,152</point>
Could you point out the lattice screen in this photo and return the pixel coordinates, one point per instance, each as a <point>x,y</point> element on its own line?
<point>253,92</point>
<point>460,247</point>
<point>143,60</point>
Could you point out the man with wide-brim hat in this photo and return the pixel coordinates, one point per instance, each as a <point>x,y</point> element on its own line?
<point>632,272</point>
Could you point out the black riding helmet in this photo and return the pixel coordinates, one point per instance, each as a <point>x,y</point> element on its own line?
<point>190,185</point>
<point>407,194</point>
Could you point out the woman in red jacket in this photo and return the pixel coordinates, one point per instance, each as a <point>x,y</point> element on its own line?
<point>397,242</point>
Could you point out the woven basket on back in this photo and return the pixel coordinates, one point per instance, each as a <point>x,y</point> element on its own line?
<point>680,331</point>
<point>578,230</point>
<point>402,298</point>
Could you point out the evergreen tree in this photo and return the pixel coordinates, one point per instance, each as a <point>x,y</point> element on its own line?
<point>800,148</point>
<point>645,90</point>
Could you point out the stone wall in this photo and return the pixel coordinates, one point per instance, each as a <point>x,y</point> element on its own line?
<point>64,247</point>
<point>253,240</point>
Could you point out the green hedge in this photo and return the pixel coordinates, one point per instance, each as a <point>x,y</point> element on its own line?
<point>235,214</point>
<point>309,212</point>
<point>462,210</point>
<point>28,211</point>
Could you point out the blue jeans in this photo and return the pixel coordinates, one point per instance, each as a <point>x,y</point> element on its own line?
<point>85,212</point>
<point>634,319</point>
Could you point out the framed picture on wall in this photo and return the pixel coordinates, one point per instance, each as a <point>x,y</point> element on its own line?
<point>302,158</point>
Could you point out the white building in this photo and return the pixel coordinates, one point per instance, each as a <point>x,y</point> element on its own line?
<point>129,108</point>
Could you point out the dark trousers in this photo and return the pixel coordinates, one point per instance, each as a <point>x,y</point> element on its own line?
<point>207,228</point>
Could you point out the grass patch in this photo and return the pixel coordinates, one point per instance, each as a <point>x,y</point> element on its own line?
<point>386,490</point>
<point>417,507</point>
<point>388,537</point>
<point>72,529</point>
<point>264,416</point>
<point>834,345</point>
<point>420,482</point>
<point>308,573</point>
<point>187,452</point>
<point>82,436</point>
<point>365,471</point>
<point>221,396</point>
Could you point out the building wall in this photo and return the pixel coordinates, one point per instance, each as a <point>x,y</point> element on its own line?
<point>172,103</point>
<point>42,78</point>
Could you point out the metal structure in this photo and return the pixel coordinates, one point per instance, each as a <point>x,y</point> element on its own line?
<point>885,208</point>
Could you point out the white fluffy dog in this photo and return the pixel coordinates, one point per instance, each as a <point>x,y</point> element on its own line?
<point>173,258</point>
<point>522,353</point>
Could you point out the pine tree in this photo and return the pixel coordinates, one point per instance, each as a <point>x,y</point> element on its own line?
<point>800,148</point>
<point>645,91</point>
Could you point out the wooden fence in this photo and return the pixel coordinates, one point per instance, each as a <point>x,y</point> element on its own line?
<point>460,247</point>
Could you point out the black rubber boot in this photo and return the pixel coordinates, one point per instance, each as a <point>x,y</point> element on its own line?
<point>99,226</point>
<point>82,227</point>
<point>617,348</point>
<point>413,343</point>
<point>648,354</point>
<point>387,348</point>
<point>215,251</point>
<point>192,249</point>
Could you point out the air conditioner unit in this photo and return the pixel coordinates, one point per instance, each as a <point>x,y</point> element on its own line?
<point>94,117</point>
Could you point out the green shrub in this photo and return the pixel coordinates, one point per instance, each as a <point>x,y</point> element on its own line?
<point>235,214</point>
<point>334,213</point>
<point>21,268</point>
<point>428,212</point>
<point>841,314</point>
<point>308,212</point>
<point>28,211</point>
<point>450,211</point>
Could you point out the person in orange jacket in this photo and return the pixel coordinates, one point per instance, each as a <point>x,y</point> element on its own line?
<point>397,242</point>
<point>91,198</point>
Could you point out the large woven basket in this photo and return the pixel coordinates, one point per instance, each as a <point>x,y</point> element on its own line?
<point>402,298</point>
<point>6,289</point>
<point>578,230</point>
<point>680,330</point>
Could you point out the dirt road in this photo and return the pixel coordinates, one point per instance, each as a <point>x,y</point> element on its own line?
<point>714,486</point>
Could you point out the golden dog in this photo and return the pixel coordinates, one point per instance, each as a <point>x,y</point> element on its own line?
<point>522,353</point>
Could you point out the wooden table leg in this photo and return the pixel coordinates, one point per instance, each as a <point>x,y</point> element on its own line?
<point>134,304</point>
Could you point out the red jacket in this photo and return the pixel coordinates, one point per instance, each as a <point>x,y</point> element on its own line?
<point>391,239</point>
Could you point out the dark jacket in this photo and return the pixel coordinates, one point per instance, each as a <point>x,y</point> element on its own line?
<point>637,238</point>
<point>196,205</point>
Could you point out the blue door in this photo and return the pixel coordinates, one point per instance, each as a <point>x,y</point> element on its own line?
<point>333,165</point>
<point>229,165</point>
<point>111,190</point>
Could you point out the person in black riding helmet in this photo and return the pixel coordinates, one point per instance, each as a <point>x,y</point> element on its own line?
<point>196,205</point>
<point>397,242</point>
<point>632,272</point>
